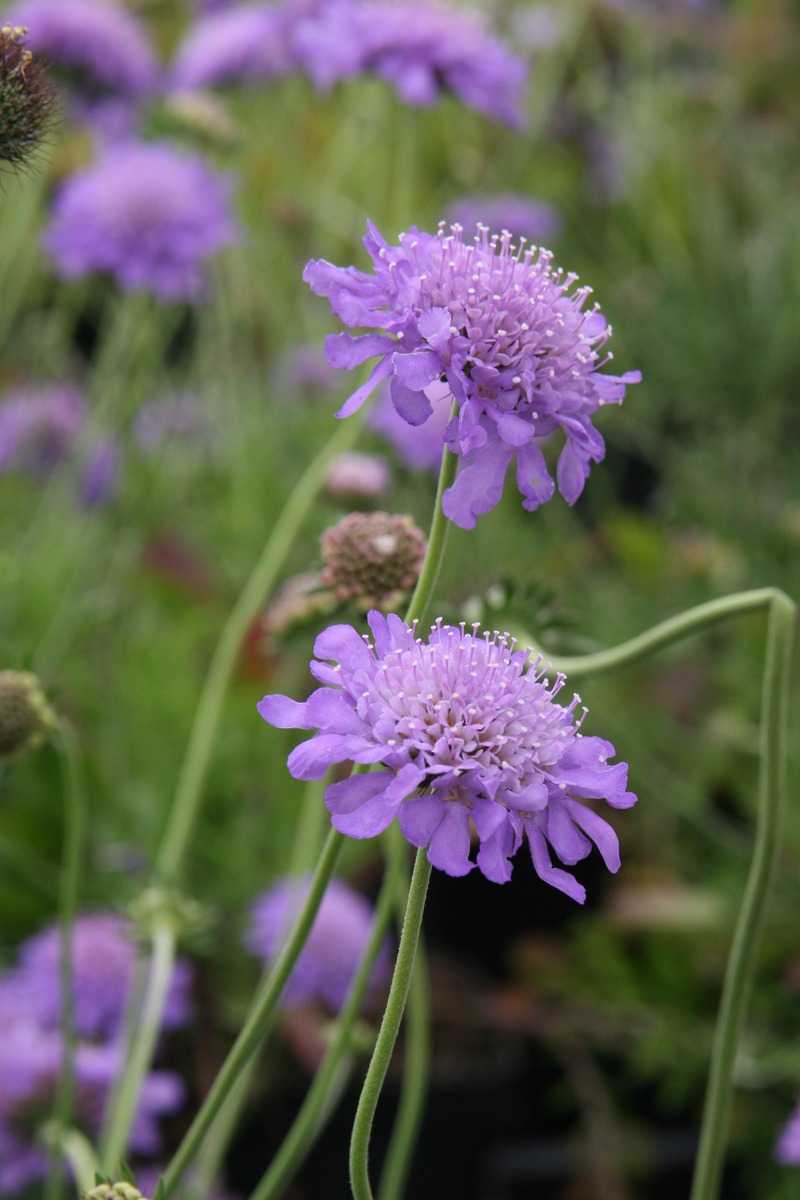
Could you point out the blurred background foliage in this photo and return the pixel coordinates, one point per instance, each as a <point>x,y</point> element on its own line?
<point>571,1045</point>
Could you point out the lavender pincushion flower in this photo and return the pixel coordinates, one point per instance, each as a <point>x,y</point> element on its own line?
<point>104,957</point>
<point>335,945</point>
<point>503,328</point>
<point>242,44</point>
<point>38,427</point>
<point>422,49</point>
<point>787,1150</point>
<point>469,735</point>
<point>102,46</point>
<point>146,213</point>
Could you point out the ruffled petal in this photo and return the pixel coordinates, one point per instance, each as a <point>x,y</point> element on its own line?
<point>283,712</point>
<point>418,369</point>
<point>544,868</point>
<point>571,473</point>
<point>311,759</point>
<point>331,712</point>
<point>356,399</point>
<point>568,842</point>
<point>420,817</point>
<point>343,644</point>
<point>496,852</point>
<point>601,833</point>
<point>414,407</point>
<point>362,808</point>
<point>479,484</point>
<point>533,478</point>
<point>434,325</point>
<point>345,351</point>
<point>449,845</point>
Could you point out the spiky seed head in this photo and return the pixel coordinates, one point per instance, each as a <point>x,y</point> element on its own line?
<point>373,559</point>
<point>25,715</point>
<point>27,98</point>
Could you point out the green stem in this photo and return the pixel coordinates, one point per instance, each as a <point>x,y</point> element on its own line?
<point>741,960</point>
<point>196,761</point>
<point>261,1015</point>
<point>77,1151</point>
<point>437,539</point>
<point>310,1119</point>
<point>390,1026</point>
<point>69,889</point>
<point>125,1098</point>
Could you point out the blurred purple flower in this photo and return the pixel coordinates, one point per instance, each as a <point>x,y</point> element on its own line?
<point>309,370</point>
<point>38,427</point>
<point>357,476</point>
<point>30,1063</point>
<point>335,945</point>
<point>419,446</point>
<point>522,216</point>
<point>242,44</point>
<point>100,475</point>
<point>421,49</point>
<point>162,420</point>
<point>104,956</point>
<point>146,213</point>
<point>787,1150</point>
<point>470,736</point>
<point>503,328</point>
<point>102,46</point>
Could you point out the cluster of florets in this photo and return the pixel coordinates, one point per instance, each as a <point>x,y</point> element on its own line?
<point>145,213</point>
<point>334,948</point>
<point>25,715</point>
<point>508,335</point>
<point>471,740</point>
<point>27,100</point>
<point>373,559</point>
<point>31,1043</point>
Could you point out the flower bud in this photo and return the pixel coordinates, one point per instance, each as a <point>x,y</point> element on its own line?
<point>25,715</point>
<point>27,100</point>
<point>372,558</point>
<point>113,1191</point>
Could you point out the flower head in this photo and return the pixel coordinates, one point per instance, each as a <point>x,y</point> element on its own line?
<point>104,957</point>
<point>508,334</point>
<point>243,44</point>
<point>335,945</point>
<point>469,735</point>
<point>27,100</point>
<point>38,427</point>
<point>422,49</point>
<point>103,47</point>
<point>145,213</point>
<point>372,558</point>
<point>787,1150</point>
<point>355,476</point>
<point>25,715</point>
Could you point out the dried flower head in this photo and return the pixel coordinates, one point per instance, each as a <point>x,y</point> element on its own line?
<point>373,559</point>
<point>354,476</point>
<point>27,100</point>
<point>471,739</point>
<point>25,715</point>
<point>505,330</point>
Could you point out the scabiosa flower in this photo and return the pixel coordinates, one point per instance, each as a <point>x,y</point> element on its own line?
<point>38,427</point>
<point>787,1150</point>
<point>101,47</point>
<point>104,956</point>
<point>30,1065</point>
<point>177,417</point>
<point>470,737</point>
<point>421,49</point>
<point>419,446</point>
<point>355,476</point>
<point>372,558</point>
<point>244,44</point>
<point>146,213</point>
<point>335,945</point>
<point>27,100</point>
<point>25,715</point>
<point>502,326</point>
<point>522,216</point>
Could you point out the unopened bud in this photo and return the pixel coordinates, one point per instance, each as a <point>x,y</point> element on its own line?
<point>25,715</point>
<point>373,559</point>
<point>27,99</point>
<point>113,1191</point>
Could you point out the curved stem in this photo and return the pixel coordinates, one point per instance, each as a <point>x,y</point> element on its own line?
<point>122,1110</point>
<point>69,888</point>
<point>390,1025</point>
<point>310,1118</point>
<point>260,1017</point>
<point>76,1150</point>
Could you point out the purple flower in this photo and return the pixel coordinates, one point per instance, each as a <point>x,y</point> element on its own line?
<point>419,446</point>
<point>335,945</point>
<point>100,474</point>
<point>104,955</point>
<point>160,421</point>
<point>787,1150</point>
<point>357,476</point>
<point>422,49</point>
<point>309,370</point>
<point>244,44</point>
<point>522,216</point>
<point>147,214</point>
<point>38,427</point>
<point>469,735</point>
<point>104,48</point>
<point>30,1065</point>
<point>503,328</point>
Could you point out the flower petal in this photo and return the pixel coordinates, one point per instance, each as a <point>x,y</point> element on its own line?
<point>420,817</point>
<point>601,833</point>
<point>544,868</point>
<point>343,644</point>
<point>449,845</point>
<point>344,351</point>
<point>356,399</point>
<point>284,713</point>
<point>479,484</point>
<point>568,842</point>
<point>414,407</point>
<point>417,369</point>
